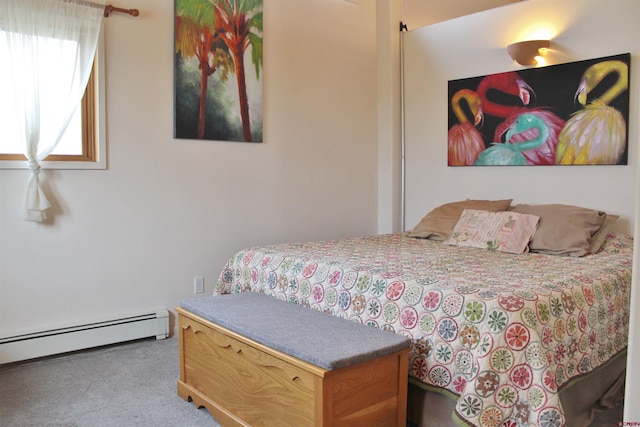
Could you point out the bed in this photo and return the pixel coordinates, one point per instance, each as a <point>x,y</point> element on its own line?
<point>498,338</point>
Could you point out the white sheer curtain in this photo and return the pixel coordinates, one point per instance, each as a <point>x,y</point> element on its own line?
<point>51,44</point>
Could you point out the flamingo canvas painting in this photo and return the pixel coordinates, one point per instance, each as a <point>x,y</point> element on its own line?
<point>568,114</point>
<point>218,70</point>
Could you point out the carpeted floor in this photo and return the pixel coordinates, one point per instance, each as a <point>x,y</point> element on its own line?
<point>126,385</point>
<point>131,385</point>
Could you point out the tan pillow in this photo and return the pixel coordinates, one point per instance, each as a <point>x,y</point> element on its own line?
<point>598,239</point>
<point>496,231</point>
<point>564,229</point>
<point>440,222</point>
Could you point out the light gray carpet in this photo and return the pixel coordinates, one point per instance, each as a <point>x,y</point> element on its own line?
<point>126,385</point>
<point>131,385</point>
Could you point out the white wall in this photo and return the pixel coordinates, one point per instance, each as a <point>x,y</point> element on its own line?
<point>389,15</point>
<point>474,45</point>
<point>132,237</point>
<point>414,14</point>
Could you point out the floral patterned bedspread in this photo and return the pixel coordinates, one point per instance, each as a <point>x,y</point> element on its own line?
<point>502,332</point>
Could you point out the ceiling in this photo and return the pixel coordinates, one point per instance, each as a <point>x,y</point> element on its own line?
<point>419,13</point>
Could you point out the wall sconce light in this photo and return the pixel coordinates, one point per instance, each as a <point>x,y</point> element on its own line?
<point>525,53</point>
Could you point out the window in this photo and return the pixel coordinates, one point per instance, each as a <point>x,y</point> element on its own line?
<point>83,144</point>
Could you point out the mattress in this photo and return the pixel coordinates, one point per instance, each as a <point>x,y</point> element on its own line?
<point>503,334</point>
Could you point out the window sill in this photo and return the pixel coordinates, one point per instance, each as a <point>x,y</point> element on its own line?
<point>23,164</point>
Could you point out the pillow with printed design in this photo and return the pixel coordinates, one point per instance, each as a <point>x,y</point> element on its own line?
<point>505,231</point>
<point>439,223</point>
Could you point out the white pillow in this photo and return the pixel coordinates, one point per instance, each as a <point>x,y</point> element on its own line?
<point>496,231</point>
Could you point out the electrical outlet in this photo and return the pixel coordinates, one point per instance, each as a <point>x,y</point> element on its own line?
<point>198,285</point>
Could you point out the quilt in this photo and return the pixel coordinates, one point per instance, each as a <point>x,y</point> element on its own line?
<point>502,333</point>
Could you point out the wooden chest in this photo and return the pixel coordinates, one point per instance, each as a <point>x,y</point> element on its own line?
<point>243,382</point>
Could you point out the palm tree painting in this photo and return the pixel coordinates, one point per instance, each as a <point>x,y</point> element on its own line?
<point>567,114</point>
<point>217,92</point>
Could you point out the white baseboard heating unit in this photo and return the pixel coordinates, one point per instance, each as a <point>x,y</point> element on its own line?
<point>80,337</point>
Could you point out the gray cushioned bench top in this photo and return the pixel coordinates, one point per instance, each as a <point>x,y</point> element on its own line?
<point>315,337</point>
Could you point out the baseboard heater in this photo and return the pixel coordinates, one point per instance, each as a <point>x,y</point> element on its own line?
<point>62,340</point>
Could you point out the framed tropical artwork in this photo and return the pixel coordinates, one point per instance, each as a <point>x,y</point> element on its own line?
<point>568,114</point>
<point>218,70</point>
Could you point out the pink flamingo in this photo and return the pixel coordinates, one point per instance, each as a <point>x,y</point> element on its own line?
<point>511,84</point>
<point>464,140</point>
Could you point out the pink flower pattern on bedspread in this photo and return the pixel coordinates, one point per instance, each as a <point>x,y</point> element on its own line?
<point>502,332</point>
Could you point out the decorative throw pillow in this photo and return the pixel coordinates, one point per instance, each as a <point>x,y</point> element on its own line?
<point>439,223</point>
<point>564,230</point>
<point>496,231</point>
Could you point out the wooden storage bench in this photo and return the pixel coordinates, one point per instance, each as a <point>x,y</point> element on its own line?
<point>251,359</point>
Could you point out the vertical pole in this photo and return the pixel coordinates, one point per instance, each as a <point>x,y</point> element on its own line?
<point>403,28</point>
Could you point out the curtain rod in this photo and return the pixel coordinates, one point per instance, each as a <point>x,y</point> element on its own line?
<point>108,8</point>
<point>111,8</point>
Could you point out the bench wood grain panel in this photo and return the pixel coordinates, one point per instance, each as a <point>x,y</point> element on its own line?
<point>242,382</point>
